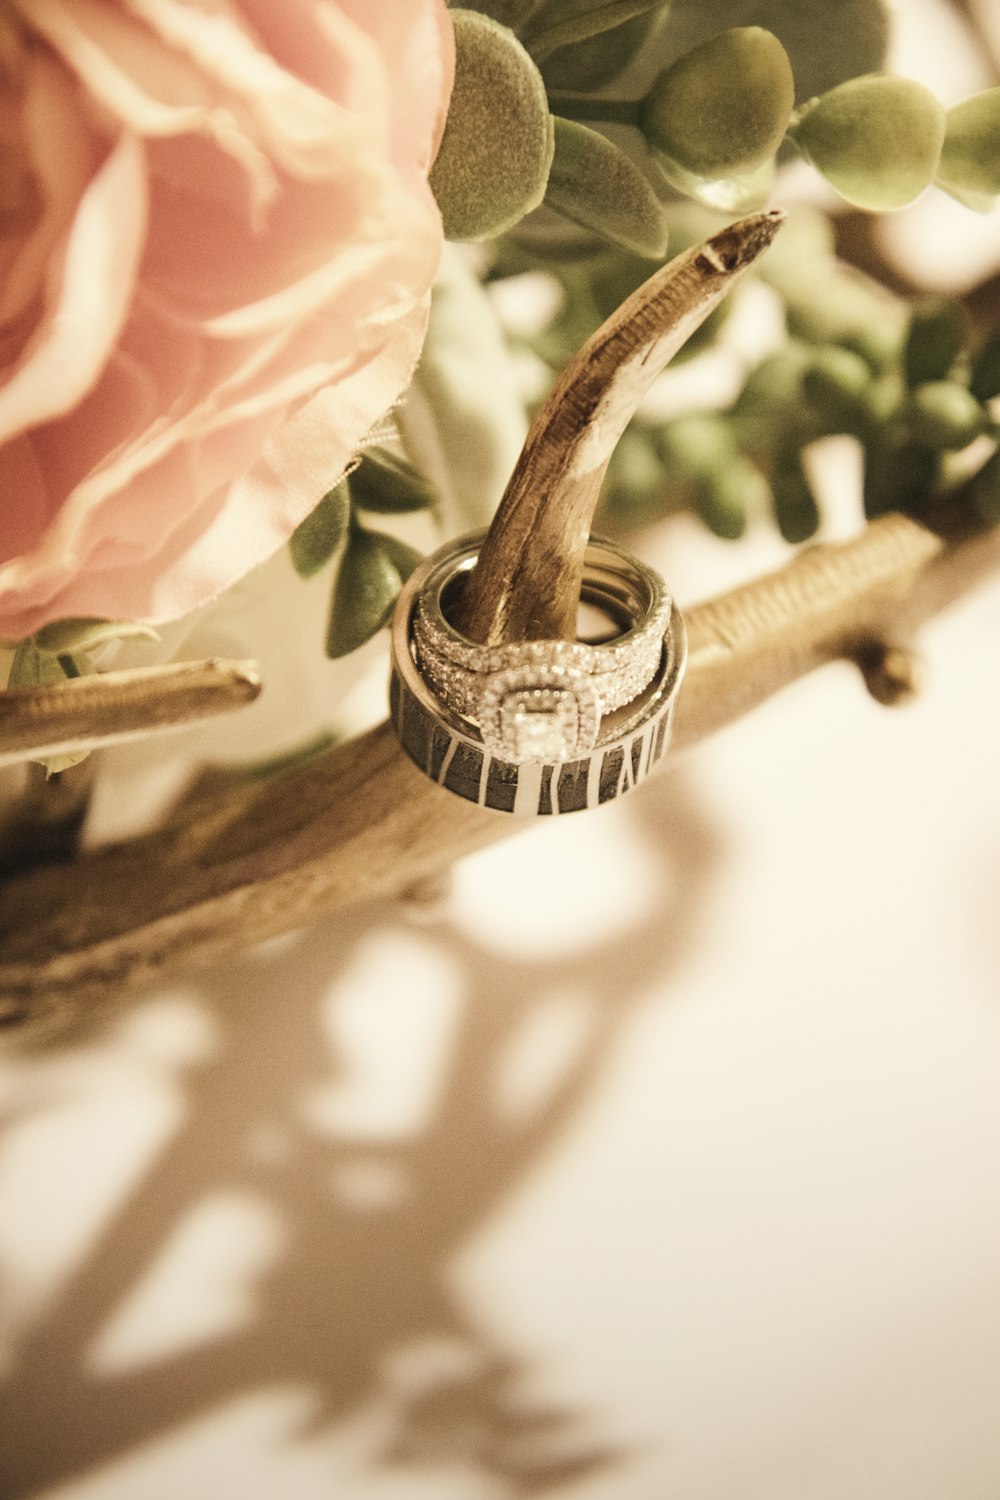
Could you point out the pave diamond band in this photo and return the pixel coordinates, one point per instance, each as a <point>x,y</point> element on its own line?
<point>540,701</point>
<point>537,726</point>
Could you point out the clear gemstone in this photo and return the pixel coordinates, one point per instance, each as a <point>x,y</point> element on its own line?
<point>538,725</point>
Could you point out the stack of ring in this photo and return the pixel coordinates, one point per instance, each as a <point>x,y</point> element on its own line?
<point>535,727</point>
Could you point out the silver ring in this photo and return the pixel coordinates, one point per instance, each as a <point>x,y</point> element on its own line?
<point>537,726</point>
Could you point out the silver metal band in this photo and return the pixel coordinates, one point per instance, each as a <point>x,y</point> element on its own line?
<point>538,726</point>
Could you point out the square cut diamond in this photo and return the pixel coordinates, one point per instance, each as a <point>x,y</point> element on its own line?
<point>539,725</point>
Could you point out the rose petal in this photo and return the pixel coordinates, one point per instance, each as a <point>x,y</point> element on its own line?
<point>88,304</point>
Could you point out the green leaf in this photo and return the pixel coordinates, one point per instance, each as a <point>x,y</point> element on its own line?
<point>389,485</point>
<point>943,415</point>
<point>836,384</point>
<point>827,41</point>
<point>369,579</point>
<point>721,110</point>
<point>935,338</point>
<point>494,159</point>
<point>597,61</point>
<point>316,539</point>
<point>876,140</point>
<point>795,508</point>
<point>970,157</point>
<point>596,185</point>
<point>88,633</point>
<point>566,23</point>
<point>403,557</point>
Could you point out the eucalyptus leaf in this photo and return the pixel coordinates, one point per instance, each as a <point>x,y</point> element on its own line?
<point>795,507</point>
<point>493,162</point>
<point>88,633</point>
<point>876,140</point>
<point>596,185</point>
<point>721,110</point>
<point>827,41</point>
<point>597,61</point>
<point>566,23</point>
<point>368,582</point>
<point>970,157</point>
<point>935,338</point>
<point>389,485</point>
<point>316,539</point>
<point>944,415</point>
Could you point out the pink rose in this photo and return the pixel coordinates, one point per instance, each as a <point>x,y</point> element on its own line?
<point>216,250</point>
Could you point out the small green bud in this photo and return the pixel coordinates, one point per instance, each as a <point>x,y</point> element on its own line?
<point>935,338</point>
<point>943,415</point>
<point>985,380</point>
<point>493,162</point>
<point>970,157</point>
<point>721,110</point>
<point>316,539</point>
<point>875,139</point>
<point>595,184</point>
<point>836,384</point>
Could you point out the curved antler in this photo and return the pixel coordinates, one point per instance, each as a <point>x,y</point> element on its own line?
<point>526,584</point>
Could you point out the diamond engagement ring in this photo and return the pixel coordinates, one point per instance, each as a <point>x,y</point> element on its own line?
<point>535,727</point>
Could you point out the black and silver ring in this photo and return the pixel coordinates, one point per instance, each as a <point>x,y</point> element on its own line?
<point>537,727</point>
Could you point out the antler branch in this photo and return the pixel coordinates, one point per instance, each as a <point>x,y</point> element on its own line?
<point>360,822</point>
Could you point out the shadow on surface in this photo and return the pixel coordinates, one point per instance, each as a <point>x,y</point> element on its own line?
<point>352,1287</point>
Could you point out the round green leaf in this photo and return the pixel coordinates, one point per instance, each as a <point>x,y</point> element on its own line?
<point>826,40</point>
<point>496,151</point>
<point>876,140</point>
<point>593,183</point>
<point>721,110</point>
<point>970,156</point>
<point>941,414</point>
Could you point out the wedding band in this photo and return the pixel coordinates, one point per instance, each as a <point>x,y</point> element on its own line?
<point>537,727</point>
